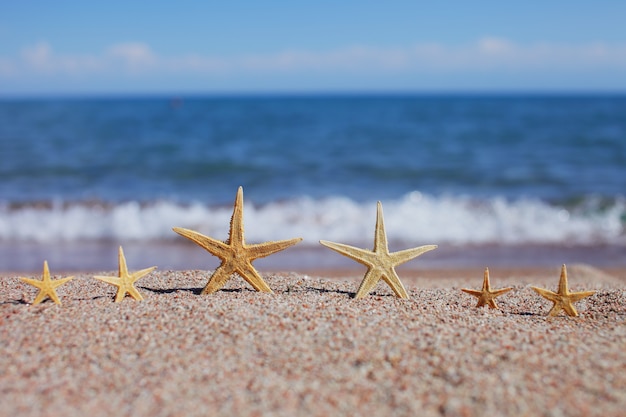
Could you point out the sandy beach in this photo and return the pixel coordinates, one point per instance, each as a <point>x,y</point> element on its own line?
<point>311,349</point>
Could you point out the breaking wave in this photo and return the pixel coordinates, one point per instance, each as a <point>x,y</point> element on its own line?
<point>415,218</point>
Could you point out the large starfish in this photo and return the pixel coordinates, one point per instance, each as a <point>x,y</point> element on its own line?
<point>125,282</point>
<point>47,287</point>
<point>380,262</point>
<point>487,296</point>
<point>563,299</point>
<point>235,254</point>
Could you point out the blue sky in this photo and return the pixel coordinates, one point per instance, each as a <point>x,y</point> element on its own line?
<point>124,47</point>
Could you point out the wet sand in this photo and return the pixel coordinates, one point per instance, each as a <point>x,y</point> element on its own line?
<point>311,349</point>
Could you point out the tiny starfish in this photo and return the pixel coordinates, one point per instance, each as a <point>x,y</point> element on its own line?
<point>235,254</point>
<point>487,296</point>
<point>47,287</point>
<point>380,262</point>
<point>563,299</point>
<point>125,282</point>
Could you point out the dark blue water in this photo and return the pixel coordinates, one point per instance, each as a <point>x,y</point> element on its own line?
<point>458,170</point>
<point>554,148</point>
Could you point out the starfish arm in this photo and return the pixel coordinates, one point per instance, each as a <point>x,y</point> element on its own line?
<point>34,282</point>
<point>41,295</point>
<point>253,278</point>
<point>481,302</point>
<point>111,280</point>
<point>380,237</point>
<point>570,309</point>
<point>406,255</point>
<point>54,297</point>
<point>554,311</point>
<point>236,221</point>
<point>59,282</point>
<point>371,278</point>
<point>46,271</point>
<point>486,283</point>
<point>563,290</point>
<point>547,294</point>
<point>214,246</point>
<point>478,294</point>
<point>577,296</point>
<point>133,292</point>
<point>121,261</point>
<point>261,250</point>
<point>120,294</point>
<point>392,278</point>
<point>499,292</point>
<point>140,274</point>
<point>362,256</point>
<point>492,303</point>
<point>218,279</point>
<point>475,293</point>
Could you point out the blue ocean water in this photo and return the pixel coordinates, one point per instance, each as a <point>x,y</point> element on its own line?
<point>459,171</point>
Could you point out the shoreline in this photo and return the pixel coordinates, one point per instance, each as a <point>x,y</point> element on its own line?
<point>312,349</point>
<point>91,256</point>
<point>413,276</point>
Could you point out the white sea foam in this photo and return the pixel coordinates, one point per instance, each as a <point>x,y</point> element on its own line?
<point>416,218</point>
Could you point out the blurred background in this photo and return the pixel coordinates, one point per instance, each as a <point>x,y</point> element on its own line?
<point>496,131</point>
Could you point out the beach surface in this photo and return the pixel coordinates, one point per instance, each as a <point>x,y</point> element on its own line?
<point>312,349</point>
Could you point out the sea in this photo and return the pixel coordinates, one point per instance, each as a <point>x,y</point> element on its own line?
<point>493,180</point>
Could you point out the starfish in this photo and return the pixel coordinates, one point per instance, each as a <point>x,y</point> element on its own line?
<point>125,282</point>
<point>563,299</point>
<point>380,262</point>
<point>47,287</point>
<point>236,255</point>
<point>487,296</point>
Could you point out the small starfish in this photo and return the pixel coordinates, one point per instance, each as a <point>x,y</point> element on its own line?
<point>380,262</point>
<point>47,287</point>
<point>563,299</point>
<point>235,254</point>
<point>125,282</point>
<point>487,296</point>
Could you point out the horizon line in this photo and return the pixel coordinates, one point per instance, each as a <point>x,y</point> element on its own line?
<point>504,93</point>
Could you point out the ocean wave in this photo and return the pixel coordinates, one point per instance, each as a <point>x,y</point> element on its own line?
<point>415,218</point>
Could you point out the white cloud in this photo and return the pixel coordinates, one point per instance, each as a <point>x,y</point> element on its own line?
<point>196,63</point>
<point>42,58</point>
<point>490,45</point>
<point>487,54</point>
<point>37,55</point>
<point>134,55</point>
